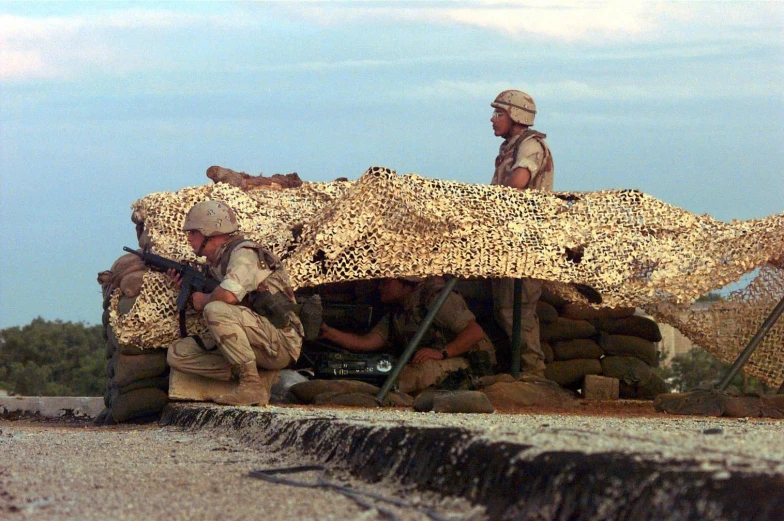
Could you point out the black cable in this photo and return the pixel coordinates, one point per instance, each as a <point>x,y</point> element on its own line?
<point>271,475</point>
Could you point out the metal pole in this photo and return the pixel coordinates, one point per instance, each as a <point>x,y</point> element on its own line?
<point>412,346</point>
<point>746,354</point>
<point>517,308</point>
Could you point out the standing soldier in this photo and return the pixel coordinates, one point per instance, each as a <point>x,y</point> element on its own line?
<point>254,330</point>
<point>524,162</point>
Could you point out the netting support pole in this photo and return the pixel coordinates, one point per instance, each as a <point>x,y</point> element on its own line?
<point>746,353</point>
<point>517,325</point>
<point>414,343</point>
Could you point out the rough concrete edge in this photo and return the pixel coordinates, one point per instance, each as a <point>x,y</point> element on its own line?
<point>510,480</point>
<point>52,406</point>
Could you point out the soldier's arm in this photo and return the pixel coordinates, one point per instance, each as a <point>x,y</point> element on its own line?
<point>470,335</point>
<point>518,178</point>
<point>462,343</point>
<point>202,299</point>
<point>527,163</point>
<point>361,343</point>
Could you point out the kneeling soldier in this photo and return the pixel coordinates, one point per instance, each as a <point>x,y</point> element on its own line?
<point>255,331</point>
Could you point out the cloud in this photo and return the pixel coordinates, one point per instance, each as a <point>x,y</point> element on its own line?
<point>61,47</point>
<point>595,22</point>
<point>570,90</point>
<point>114,41</point>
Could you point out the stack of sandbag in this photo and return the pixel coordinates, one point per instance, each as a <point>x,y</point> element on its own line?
<point>346,393</point>
<point>579,340</point>
<point>137,380</point>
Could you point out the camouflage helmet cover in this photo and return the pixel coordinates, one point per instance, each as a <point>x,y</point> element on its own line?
<point>518,104</point>
<point>211,218</point>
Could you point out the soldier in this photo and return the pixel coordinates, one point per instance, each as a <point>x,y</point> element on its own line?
<point>524,162</point>
<point>452,335</point>
<point>254,330</point>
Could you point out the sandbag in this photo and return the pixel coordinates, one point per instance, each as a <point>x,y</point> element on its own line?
<point>644,391</point>
<point>124,265</point>
<point>138,403</point>
<point>772,406</point>
<point>125,304</point>
<point>529,393</point>
<point>131,284</point>
<point>628,369</point>
<point>129,368</point>
<point>462,401</point>
<point>423,402</point>
<point>397,399</point>
<point>356,399</point>
<point>638,326</point>
<point>469,402</point>
<point>307,391</point>
<point>700,402</point>
<point>547,350</point>
<point>572,372</point>
<point>577,311</point>
<point>624,345</point>
<point>104,418</point>
<point>110,367</point>
<point>123,349</point>
<point>157,382</point>
<point>546,312</point>
<point>552,298</point>
<point>577,348</point>
<point>566,329</point>
<point>111,344</point>
<point>743,406</point>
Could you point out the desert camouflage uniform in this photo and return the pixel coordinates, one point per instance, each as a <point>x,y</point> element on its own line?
<point>239,334</point>
<point>399,327</point>
<point>526,150</point>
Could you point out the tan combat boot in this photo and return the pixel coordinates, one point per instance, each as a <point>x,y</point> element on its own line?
<point>268,378</point>
<point>250,391</point>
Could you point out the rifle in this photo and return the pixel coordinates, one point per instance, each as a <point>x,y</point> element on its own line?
<point>195,277</point>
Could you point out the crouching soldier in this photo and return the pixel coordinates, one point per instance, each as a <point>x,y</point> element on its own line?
<point>254,330</point>
<point>453,334</point>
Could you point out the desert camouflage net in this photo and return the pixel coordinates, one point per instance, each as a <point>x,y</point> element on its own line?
<point>632,248</point>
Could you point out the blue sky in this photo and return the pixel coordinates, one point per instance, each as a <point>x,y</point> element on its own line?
<point>103,103</point>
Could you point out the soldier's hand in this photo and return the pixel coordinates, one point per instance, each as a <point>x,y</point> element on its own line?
<point>426,354</point>
<point>175,277</point>
<point>324,332</point>
<point>200,300</point>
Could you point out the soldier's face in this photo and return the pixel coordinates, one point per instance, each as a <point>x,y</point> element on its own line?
<point>502,123</point>
<point>194,239</point>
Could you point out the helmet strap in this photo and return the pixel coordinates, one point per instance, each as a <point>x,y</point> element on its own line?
<point>201,246</point>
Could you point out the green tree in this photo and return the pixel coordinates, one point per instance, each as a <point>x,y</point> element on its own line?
<point>699,369</point>
<point>46,358</point>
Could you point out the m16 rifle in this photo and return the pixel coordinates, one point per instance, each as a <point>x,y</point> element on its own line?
<point>195,278</point>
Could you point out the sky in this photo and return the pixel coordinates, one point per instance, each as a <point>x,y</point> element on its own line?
<point>102,103</point>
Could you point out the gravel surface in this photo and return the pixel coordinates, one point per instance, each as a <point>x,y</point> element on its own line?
<point>743,445</point>
<point>53,472</point>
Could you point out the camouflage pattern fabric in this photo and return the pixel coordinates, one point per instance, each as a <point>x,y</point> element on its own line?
<point>635,250</point>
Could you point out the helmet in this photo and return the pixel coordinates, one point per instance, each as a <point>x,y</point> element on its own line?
<point>211,218</point>
<point>518,104</point>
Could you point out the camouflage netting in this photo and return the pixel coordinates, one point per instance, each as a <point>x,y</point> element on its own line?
<point>634,249</point>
